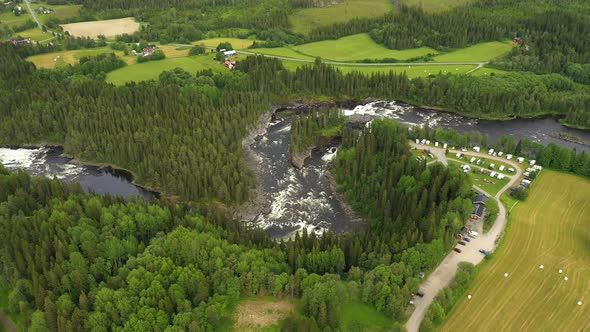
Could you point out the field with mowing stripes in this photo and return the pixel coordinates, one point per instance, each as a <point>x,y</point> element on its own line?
<point>436,5</point>
<point>552,228</point>
<point>478,52</point>
<point>358,47</point>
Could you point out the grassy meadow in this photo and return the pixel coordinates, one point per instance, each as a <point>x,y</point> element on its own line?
<point>477,53</point>
<point>35,34</point>
<point>551,228</point>
<point>358,47</point>
<point>282,51</point>
<point>152,69</point>
<point>436,5</point>
<point>304,20</point>
<point>56,59</point>
<point>238,44</point>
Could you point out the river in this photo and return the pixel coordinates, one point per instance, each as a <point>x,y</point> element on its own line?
<point>293,199</point>
<point>50,162</point>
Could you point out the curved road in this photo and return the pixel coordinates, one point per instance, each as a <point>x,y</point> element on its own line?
<point>356,64</point>
<point>445,272</point>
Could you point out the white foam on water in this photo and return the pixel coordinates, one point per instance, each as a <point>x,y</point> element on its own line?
<point>20,158</point>
<point>284,129</point>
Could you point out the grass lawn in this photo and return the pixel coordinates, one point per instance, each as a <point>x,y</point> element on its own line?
<point>411,71</point>
<point>358,47</point>
<point>304,20</point>
<point>552,229</point>
<point>56,59</point>
<point>418,152</point>
<point>436,5</point>
<point>489,184</point>
<point>282,51</point>
<point>485,71</point>
<point>10,20</point>
<point>357,316</point>
<point>485,163</point>
<point>478,52</point>
<point>238,44</point>
<point>152,69</point>
<point>35,34</point>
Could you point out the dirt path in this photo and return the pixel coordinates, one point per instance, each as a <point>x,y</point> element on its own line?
<point>33,15</point>
<point>7,323</point>
<point>445,272</point>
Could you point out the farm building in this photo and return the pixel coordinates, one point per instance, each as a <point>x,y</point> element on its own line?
<point>230,53</point>
<point>479,206</point>
<point>19,40</point>
<point>44,10</point>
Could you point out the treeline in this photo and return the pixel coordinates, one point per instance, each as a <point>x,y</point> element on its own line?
<point>444,302</point>
<point>551,155</point>
<point>406,200</point>
<point>305,129</point>
<point>500,96</point>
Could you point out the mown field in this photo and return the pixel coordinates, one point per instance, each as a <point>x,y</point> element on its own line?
<point>304,20</point>
<point>35,34</point>
<point>106,28</point>
<point>552,228</point>
<point>436,5</point>
<point>478,52</point>
<point>238,44</point>
<point>152,69</point>
<point>59,11</point>
<point>358,47</point>
<point>56,59</point>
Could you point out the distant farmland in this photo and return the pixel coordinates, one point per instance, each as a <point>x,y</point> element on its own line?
<point>106,28</point>
<point>552,228</point>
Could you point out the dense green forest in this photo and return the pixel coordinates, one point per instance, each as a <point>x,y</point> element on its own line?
<point>310,129</point>
<point>182,134</point>
<point>381,178</point>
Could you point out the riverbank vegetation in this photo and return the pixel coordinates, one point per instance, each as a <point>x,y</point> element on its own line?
<point>315,128</point>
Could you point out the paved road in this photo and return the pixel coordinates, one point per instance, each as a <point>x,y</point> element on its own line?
<point>33,14</point>
<point>443,275</point>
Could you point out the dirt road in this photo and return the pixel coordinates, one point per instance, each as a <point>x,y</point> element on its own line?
<point>445,272</point>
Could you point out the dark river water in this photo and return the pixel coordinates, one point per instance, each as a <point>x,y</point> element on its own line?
<point>49,162</point>
<point>296,199</point>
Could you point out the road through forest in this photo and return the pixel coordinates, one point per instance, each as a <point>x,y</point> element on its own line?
<point>442,276</point>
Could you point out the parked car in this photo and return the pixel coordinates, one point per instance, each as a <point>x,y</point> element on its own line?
<point>466,239</point>
<point>462,243</point>
<point>420,293</point>
<point>457,250</point>
<point>485,252</point>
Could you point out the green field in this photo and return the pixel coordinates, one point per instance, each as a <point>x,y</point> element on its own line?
<point>484,71</point>
<point>282,51</point>
<point>152,69</point>
<point>358,47</point>
<point>56,59</point>
<point>436,5</point>
<point>35,34</point>
<point>478,52</point>
<point>411,71</point>
<point>551,228</point>
<point>238,44</point>
<point>304,20</point>
<point>357,316</point>
<point>489,184</point>
<point>10,20</point>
